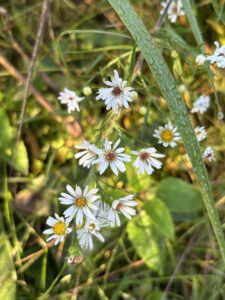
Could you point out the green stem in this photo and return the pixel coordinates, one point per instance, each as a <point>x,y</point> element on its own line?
<point>176,106</point>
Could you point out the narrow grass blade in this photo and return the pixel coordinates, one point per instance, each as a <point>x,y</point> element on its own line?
<point>175,103</point>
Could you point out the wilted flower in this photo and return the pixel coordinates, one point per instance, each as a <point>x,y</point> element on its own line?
<point>175,10</point>
<point>200,133</point>
<point>81,203</point>
<point>167,135</point>
<point>71,99</point>
<point>209,154</point>
<point>111,157</point>
<point>218,56</point>
<point>220,115</point>
<point>59,228</point>
<point>87,156</point>
<point>116,95</point>
<point>201,104</point>
<point>146,160</point>
<point>122,205</point>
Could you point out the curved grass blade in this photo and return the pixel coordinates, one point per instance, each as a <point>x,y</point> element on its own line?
<point>176,106</point>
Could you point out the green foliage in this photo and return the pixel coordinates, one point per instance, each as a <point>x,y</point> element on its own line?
<point>138,183</point>
<point>160,216</point>
<point>7,271</point>
<point>179,196</point>
<point>148,240</point>
<point>7,137</point>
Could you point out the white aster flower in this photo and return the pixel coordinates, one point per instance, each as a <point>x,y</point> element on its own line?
<point>201,104</point>
<point>200,133</point>
<point>85,234</point>
<point>110,156</point>
<point>116,95</point>
<point>59,228</point>
<point>175,10</point>
<point>71,99</point>
<point>218,56</point>
<point>87,156</point>
<point>200,59</point>
<point>209,154</point>
<point>81,203</point>
<point>146,160</point>
<point>122,205</point>
<point>167,135</point>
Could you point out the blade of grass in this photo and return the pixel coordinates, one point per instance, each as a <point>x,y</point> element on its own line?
<point>176,105</point>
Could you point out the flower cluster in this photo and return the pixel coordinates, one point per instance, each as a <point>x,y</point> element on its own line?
<point>89,215</point>
<point>217,57</point>
<point>115,96</point>
<point>114,157</point>
<point>201,105</point>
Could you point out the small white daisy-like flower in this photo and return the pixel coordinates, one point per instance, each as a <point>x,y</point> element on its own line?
<point>110,156</point>
<point>209,154</point>
<point>71,99</point>
<point>122,205</point>
<point>87,156</point>
<point>200,133</point>
<point>201,104</point>
<point>218,56</point>
<point>200,59</point>
<point>59,228</point>
<point>117,94</point>
<point>81,203</point>
<point>85,234</point>
<point>146,160</point>
<point>167,135</point>
<point>175,10</point>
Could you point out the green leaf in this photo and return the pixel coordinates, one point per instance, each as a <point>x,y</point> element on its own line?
<point>7,138</point>
<point>7,270</point>
<point>148,241</point>
<point>179,196</point>
<point>160,216</point>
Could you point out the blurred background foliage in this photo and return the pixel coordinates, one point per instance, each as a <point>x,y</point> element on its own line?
<point>82,43</point>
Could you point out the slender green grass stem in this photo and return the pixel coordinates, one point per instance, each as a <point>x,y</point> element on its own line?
<point>176,106</point>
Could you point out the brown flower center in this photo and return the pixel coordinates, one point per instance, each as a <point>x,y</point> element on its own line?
<point>80,202</point>
<point>118,207</point>
<point>144,155</point>
<point>116,91</point>
<point>167,135</point>
<point>70,98</point>
<point>110,156</point>
<point>59,228</point>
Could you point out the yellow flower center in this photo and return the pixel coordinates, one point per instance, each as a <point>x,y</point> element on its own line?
<point>167,135</point>
<point>80,202</point>
<point>92,226</point>
<point>198,132</point>
<point>59,228</point>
